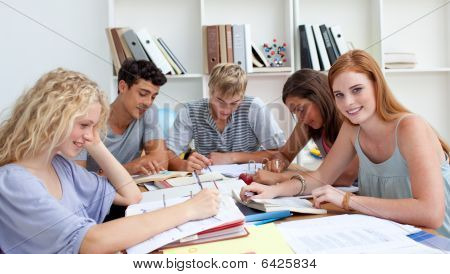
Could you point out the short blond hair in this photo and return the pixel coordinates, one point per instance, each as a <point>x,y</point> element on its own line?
<point>228,80</point>
<point>44,116</point>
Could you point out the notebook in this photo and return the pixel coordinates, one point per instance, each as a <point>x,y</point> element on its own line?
<point>188,180</point>
<point>229,217</point>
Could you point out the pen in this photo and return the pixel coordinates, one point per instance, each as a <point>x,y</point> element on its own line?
<point>198,179</point>
<point>213,180</point>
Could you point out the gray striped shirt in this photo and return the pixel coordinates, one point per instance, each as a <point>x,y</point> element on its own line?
<point>251,128</point>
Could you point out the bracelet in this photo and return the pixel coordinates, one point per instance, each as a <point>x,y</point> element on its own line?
<point>302,182</point>
<point>346,201</point>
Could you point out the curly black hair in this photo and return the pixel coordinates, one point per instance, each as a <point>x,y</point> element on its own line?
<point>131,71</point>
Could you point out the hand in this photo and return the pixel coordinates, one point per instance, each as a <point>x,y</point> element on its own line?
<point>328,194</point>
<point>275,165</point>
<point>143,165</point>
<point>221,158</point>
<point>196,161</point>
<point>92,140</point>
<point>267,177</point>
<point>203,205</point>
<point>261,192</point>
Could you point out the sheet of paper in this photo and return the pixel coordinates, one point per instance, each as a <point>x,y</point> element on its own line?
<point>264,239</point>
<point>350,234</point>
<point>228,212</point>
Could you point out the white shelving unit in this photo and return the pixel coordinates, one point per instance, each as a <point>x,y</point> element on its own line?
<point>380,26</point>
<point>377,26</point>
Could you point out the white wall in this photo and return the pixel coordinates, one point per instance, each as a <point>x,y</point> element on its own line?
<point>31,43</point>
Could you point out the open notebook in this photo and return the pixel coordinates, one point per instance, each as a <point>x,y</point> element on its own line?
<point>293,204</point>
<point>161,176</point>
<point>228,223</point>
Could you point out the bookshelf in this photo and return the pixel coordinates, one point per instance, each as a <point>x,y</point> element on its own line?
<point>377,26</point>
<point>380,26</point>
<point>179,23</point>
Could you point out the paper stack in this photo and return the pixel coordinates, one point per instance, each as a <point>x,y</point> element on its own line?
<point>399,60</point>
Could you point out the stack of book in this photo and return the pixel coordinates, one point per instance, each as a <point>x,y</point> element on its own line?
<point>232,44</point>
<point>399,60</point>
<point>125,44</point>
<point>320,46</point>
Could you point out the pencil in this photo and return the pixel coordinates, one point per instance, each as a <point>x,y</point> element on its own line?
<point>198,179</point>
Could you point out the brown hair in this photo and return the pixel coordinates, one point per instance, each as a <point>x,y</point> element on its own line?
<point>387,106</point>
<point>313,85</point>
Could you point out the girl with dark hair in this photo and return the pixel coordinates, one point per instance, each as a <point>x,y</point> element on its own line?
<point>307,95</point>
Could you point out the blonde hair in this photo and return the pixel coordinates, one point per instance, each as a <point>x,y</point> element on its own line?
<point>43,117</point>
<point>228,80</point>
<point>387,106</point>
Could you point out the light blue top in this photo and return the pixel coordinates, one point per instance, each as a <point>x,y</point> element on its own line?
<point>390,179</point>
<point>128,146</point>
<point>34,221</point>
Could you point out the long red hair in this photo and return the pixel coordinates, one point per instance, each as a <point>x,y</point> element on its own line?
<point>387,106</point>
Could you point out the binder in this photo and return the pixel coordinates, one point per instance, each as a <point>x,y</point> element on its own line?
<point>229,37</point>
<point>118,45</point>
<point>267,215</point>
<point>152,50</point>
<point>312,48</point>
<point>259,56</point>
<point>322,52</point>
<point>174,66</point>
<point>135,46</point>
<point>213,50</point>
<point>338,37</point>
<point>223,44</point>
<point>305,55</point>
<point>239,46</point>
<point>172,55</point>
<point>333,44</point>
<point>248,48</point>
<point>327,42</point>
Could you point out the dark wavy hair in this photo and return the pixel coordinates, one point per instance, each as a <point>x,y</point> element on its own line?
<point>313,85</point>
<point>131,71</point>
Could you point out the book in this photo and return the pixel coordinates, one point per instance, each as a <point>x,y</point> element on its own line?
<point>187,180</point>
<point>336,33</point>
<point>212,46</point>
<point>161,176</point>
<point>223,44</point>
<point>321,50</point>
<point>267,215</point>
<point>327,42</point>
<point>256,63</point>
<point>264,239</point>
<point>229,37</point>
<point>293,204</point>
<point>151,48</point>
<point>228,216</point>
<point>134,45</point>
<point>312,48</point>
<point>305,55</point>
<point>172,55</point>
<point>259,56</point>
<point>233,170</point>
<point>239,56</point>
<point>114,57</point>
